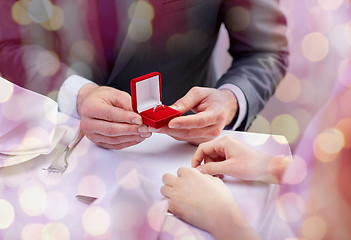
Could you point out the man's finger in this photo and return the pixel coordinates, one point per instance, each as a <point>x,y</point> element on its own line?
<point>198,120</point>
<point>111,129</point>
<point>113,114</point>
<point>98,138</point>
<point>190,100</point>
<point>190,134</point>
<point>118,146</point>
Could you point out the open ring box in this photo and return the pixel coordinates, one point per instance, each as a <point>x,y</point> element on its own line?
<point>147,100</point>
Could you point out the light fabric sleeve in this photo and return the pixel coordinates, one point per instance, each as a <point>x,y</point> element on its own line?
<point>68,93</point>
<point>242,104</point>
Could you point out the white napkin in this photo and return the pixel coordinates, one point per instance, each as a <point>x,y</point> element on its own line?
<point>27,124</point>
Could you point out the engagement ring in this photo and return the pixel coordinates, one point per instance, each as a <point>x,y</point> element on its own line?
<point>157,105</point>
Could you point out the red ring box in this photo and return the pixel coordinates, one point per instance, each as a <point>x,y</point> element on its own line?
<point>146,99</point>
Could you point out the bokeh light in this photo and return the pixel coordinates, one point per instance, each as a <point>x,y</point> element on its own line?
<point>344,126</point>
<point>338,41</point>
<point>125,167</point>
<point>19,12</point>
<point>82,51</point>
<point>128,216</point>
<point>344,72</point>
<point>141,9</point>
<point>330,4</point>
<point>296,171</point>
<point>131,181</point>
<point>285,125</point>
<point>328,144</point>
<point>347,32</point>
<point>33,200</point>
<point>238,19</point>
<point>320,20</point>
<point>56,19</point>
<point>57,206</point>
<point>11,113</point>
<point>168,223</point>
<point>7,215</point>
<point>289,89</point>
<point>40,11</point>
<point>154,215</point>
<point>92,185</point>
<point>251,210</point>
<point>6,90</point>
<point>280,139</point>
<point>47,63</point>
<point>344,102</point>
<point>35,137</point>
<point>140,28</point>
<point>32,231</point>
<point>291,207</point>
<point>260,125</point>
<point>55,231</point>
<point>256,139</point>
<point>315,47</point>
<point>96,221</point>
<point>314,228</point>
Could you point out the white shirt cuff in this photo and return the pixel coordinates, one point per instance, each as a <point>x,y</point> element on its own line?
<point>240,97</point>
<point>68,93</point>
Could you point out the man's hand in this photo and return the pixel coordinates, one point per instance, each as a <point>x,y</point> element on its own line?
<point>213,108</point>
<point>107,117</point>
<point>232,157</point>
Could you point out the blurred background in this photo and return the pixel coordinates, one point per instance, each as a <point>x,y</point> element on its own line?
<point>319,33</point>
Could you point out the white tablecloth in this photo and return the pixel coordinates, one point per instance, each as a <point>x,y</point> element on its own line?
<point>43,204</point>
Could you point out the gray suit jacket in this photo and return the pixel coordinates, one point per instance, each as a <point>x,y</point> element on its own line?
<point>183,36</point>
<point>173,37</point>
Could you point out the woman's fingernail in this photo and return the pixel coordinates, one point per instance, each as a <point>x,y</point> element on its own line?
<point>143,129</point>
<point>199,168</point>
<point>137,121</point>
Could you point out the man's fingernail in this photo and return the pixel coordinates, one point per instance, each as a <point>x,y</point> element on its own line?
<point>137,121</point>
<point>153,130</point>
<point>143,129</point>
<point>199,168</point>
<point>145,135</point>
<point>173,125</point>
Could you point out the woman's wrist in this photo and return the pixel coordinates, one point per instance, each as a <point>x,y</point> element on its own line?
<point>230,224</point>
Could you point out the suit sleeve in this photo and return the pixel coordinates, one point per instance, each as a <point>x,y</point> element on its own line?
<point>259,48</point>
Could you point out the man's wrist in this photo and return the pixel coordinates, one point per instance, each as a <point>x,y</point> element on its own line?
<point>85,91</point>
<point>68,93</point>
<point>242,105</point>
<point>232,105</point>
